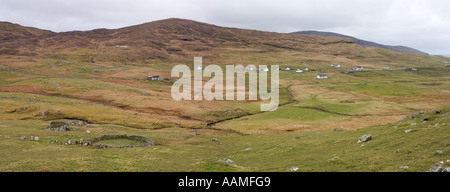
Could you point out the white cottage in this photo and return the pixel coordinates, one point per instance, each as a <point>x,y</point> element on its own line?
<point>321,76</point>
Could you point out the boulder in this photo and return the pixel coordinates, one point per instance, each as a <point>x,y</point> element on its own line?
<point>23,138</point>
<point>365,138</point>
<point>228,161</point>
<point>438,152</point>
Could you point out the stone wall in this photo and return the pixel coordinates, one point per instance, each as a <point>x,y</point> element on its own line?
<point>89,142</point>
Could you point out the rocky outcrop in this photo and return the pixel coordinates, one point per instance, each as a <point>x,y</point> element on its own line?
<point>439,167</point>
<point>365,138</point>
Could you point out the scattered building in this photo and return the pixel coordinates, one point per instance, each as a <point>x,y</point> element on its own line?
<point>299,71</point>
<point>350,70</point>
<point>359,68</point>
<point>321,76</point>
<point>155,78</point>
<point>336,65</point>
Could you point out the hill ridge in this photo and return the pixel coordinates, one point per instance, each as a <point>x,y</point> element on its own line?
<point>398,48</point>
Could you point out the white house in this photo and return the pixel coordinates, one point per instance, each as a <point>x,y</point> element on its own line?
<point>287,69</point>
<point>266,69</point>
<point>299,71</point>
<point>321,76</point>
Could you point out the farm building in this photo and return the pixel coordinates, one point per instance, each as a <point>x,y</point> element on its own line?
<point>155,78</point>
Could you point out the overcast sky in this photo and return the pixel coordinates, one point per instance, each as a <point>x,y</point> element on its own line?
<point>421,24</point>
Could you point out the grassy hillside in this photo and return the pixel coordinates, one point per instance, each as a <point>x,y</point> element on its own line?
<point>315,128</point>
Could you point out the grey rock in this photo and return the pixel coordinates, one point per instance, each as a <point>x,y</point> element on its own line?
<point>365,138</point>
<point>23,138</point>
<point>438,152</point>
<point>36,138</point>
<point>215,140</point>
<point>437,168</point>
<point>412,124</point>
<point>228,161</point>
<point>409,130</point>
<point>293,169</point>
<point>403,167</point>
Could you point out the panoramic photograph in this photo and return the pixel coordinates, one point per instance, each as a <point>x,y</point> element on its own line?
<point>225,86</point>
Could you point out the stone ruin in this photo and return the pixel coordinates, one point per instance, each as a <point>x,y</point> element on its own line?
<point>89,142</point>
<point>63,126</point>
